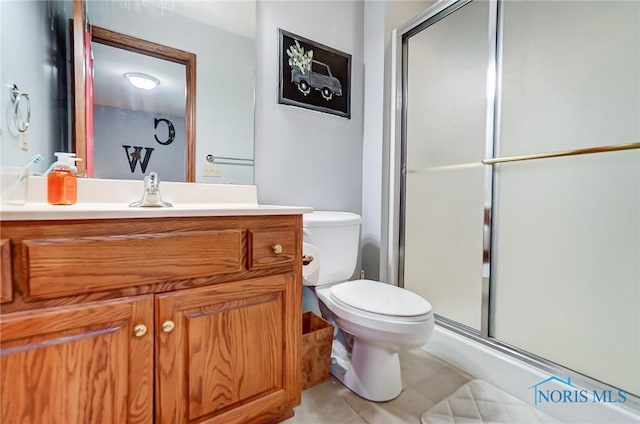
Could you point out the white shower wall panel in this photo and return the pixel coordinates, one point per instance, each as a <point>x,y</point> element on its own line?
<point>570,75</point>
<point>567,267</point>
<point>566,264</point>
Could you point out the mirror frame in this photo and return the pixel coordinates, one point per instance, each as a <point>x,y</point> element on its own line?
<point>136,45</point>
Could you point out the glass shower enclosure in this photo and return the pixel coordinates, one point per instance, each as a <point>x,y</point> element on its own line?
<point>520,178</point>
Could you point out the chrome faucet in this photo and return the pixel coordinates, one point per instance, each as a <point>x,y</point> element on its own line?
<point>151,196</point>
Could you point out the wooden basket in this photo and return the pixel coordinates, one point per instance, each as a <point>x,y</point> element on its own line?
<point>317,337</point>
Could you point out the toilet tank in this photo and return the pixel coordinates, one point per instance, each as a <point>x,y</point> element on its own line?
<point>336,235</point>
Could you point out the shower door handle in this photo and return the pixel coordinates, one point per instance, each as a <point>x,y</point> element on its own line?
<point>576,152</point>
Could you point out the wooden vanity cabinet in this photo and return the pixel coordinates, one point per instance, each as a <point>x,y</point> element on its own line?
<point>173,320</point>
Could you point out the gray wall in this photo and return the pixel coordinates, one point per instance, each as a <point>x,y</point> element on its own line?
<point>115,127</point>
<point>380,18</point>
<point>305,157</point>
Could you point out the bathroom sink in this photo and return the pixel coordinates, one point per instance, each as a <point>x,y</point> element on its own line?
<point>103,199</point>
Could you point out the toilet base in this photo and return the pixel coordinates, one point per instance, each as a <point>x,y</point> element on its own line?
<point>371,372</point>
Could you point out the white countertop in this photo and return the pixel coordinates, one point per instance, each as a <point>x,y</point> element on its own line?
<point>109,199</point>
<point>44,211</point>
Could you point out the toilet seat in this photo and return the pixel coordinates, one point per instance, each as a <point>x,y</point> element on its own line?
<point>372,320</point>
<point>385,331</point>
<point>379,298</point>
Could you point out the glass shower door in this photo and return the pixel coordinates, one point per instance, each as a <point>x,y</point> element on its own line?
<point>566,262</point>
<point>444,203</point>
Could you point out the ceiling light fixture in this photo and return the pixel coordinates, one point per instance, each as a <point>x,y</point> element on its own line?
<point>142,81</point>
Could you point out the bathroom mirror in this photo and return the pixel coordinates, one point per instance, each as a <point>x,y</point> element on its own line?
<point>221,36</point>
<point>140,108</point>
<point>220,33</point>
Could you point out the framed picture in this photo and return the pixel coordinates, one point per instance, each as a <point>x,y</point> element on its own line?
<point>314,76</point>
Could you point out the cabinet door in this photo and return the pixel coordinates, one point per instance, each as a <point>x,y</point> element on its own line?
<point>6,294</point>
<point>233,353</point>
<point>78,364</point>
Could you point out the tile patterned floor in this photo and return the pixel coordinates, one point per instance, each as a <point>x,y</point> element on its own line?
<point>426,381</point>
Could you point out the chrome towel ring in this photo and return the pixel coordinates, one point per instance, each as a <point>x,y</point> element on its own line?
<point>18,97</point>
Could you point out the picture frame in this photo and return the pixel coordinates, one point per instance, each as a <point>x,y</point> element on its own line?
<point>314,76</point>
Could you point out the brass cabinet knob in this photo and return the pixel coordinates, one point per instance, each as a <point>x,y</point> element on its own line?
<point>168,326</point>
<point>139,330</point>
<point>277,249</point>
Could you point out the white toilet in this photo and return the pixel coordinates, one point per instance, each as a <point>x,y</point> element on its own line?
<point>383,319</point>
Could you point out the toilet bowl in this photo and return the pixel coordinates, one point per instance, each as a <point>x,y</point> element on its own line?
<point>376,320</point>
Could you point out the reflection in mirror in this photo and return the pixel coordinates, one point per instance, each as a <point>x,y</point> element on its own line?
<point>133,128</point>
<point>34,55</point>
<point>221,35</point>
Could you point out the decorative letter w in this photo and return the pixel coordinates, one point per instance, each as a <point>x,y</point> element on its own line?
<point>135,157</point>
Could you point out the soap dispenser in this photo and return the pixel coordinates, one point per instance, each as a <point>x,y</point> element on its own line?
<point>62,181</point>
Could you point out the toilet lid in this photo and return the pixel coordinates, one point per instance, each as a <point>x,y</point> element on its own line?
<point>380,298</point>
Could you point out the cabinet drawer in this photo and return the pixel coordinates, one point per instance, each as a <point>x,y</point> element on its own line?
<point>66,266</point>
<point>270,248</point>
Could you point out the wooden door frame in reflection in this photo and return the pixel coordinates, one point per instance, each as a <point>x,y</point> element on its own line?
<point>148,48</point>
<point>78,81</point>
